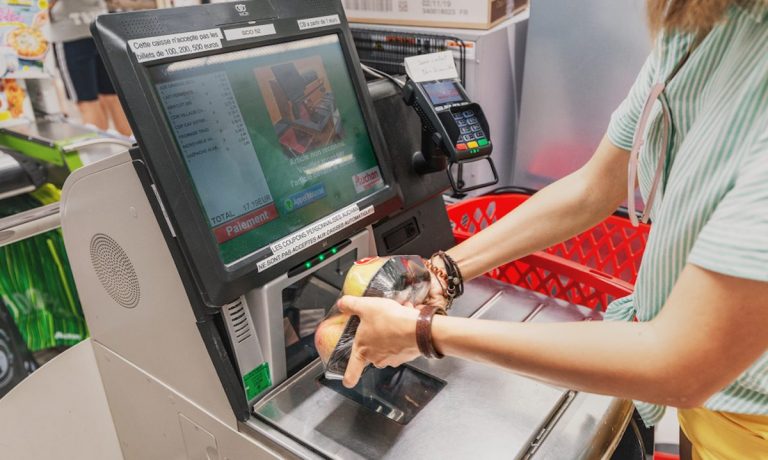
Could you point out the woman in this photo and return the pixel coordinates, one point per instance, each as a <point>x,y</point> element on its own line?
<point>701,296</point>
<point>85,78</point>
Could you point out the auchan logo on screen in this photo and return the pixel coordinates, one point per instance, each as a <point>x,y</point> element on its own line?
<point>367,179</point>
<point>245,223</point>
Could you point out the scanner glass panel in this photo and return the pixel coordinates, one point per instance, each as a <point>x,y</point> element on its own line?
<point>273,138</point>
<point>305,304</point>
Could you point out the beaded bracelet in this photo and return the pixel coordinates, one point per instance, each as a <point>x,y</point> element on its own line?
<point>442,278</point>
<point>450,279</point>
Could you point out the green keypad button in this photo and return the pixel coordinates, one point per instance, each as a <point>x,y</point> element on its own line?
<point>482,142</point>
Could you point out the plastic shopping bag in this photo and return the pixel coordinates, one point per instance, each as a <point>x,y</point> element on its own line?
<point>404,279</point>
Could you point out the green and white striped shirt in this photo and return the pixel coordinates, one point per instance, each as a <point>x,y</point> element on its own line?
<point>712,205</point>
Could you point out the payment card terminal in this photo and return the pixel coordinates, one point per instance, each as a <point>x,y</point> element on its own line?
<point>454,129</point>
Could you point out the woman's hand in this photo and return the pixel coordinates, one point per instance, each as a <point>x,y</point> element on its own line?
<point>386,335</point>
<point>436,295</point>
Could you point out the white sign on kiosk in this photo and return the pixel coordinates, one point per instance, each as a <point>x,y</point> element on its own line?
<point>431,67</point>
<point>164,46</point>
<point>319,231</point>
<point>242,33</point>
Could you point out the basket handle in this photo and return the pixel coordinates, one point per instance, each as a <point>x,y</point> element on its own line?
<point>601,280</point>
<point>507,189</point>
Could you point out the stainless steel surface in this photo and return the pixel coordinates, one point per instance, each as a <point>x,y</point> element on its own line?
<point>17,192</point>
<point>559,311</point>
<point>479,425</point>
<point>29,223</point>
<point>7,162</point>
<point>49,132</point>
<point>483,412</point>
<point>100,141</point>
<point>15,180</point>
<point>278,441</point>
<point>590,428</point>
<point>477,294</point>
<point>580,62</point>
<point>91,145</point>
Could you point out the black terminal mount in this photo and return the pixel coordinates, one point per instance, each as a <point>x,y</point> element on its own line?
<point>454,130</point>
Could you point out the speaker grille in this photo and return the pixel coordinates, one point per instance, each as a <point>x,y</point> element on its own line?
<point>239,321</point>
<point>142,27</point>
<point>115,271</point>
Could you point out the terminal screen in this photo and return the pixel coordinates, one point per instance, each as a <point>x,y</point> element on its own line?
<point>443,92</point>
<point>273,138</point>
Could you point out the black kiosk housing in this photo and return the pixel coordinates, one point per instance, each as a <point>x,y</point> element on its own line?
<point>171,66</point>
<point>159,38</point>
<point>143,49</point>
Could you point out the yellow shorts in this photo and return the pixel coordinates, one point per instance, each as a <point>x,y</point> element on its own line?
<point>724,435</point>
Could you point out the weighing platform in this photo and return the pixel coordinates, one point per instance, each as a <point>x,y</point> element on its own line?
<point>485,412</point>
<point>206,255</point>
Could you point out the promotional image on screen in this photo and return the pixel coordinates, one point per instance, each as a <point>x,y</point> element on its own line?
<point>273,139</point>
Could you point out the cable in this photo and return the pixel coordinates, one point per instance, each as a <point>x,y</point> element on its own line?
<point>378,73</point>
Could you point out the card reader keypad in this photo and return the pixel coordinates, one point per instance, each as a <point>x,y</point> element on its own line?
<point>471,134</point>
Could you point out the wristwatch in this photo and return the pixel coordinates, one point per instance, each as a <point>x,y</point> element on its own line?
<point>424,331</point>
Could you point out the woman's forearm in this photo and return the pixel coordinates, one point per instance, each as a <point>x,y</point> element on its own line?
<point>606,358</point>
<point>561,210</point>
<point>711,328</point>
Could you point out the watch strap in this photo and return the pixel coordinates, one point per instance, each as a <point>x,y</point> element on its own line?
<point>424,331</point>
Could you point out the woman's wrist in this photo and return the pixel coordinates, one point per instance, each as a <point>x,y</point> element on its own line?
<point>424,339</point>
<point>440,334</point>
<point>445,268</point>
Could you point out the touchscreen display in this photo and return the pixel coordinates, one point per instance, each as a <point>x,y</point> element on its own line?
<point>443,92</point>
<point>273,138</point>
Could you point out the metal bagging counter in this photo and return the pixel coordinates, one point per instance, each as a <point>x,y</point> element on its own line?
<point>480,412</point>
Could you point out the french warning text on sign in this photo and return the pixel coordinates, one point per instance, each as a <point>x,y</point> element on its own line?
<point>296,242</point>
<point>322,21</point>
<point>165,46</point>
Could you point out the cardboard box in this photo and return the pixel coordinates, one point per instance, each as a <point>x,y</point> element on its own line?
<point>461,14</point>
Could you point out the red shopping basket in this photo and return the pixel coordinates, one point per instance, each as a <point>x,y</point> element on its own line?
<point>591,269</point>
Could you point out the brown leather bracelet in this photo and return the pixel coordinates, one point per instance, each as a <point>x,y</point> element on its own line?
<point>424,331</point>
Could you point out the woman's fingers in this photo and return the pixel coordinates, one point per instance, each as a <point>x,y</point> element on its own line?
<point>385,337</point>
<point>355,368</point>
<point>348,305</point>
<point>357,306</point>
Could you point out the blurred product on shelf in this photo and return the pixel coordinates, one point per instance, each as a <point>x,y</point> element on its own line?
<point>16,362</point>
<point>23,46</point>
<point>36,282</point>
<point>14,102</point>
<point>131,5</point>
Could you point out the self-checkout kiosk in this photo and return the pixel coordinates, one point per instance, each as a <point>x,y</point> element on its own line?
<point>205,256</point>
